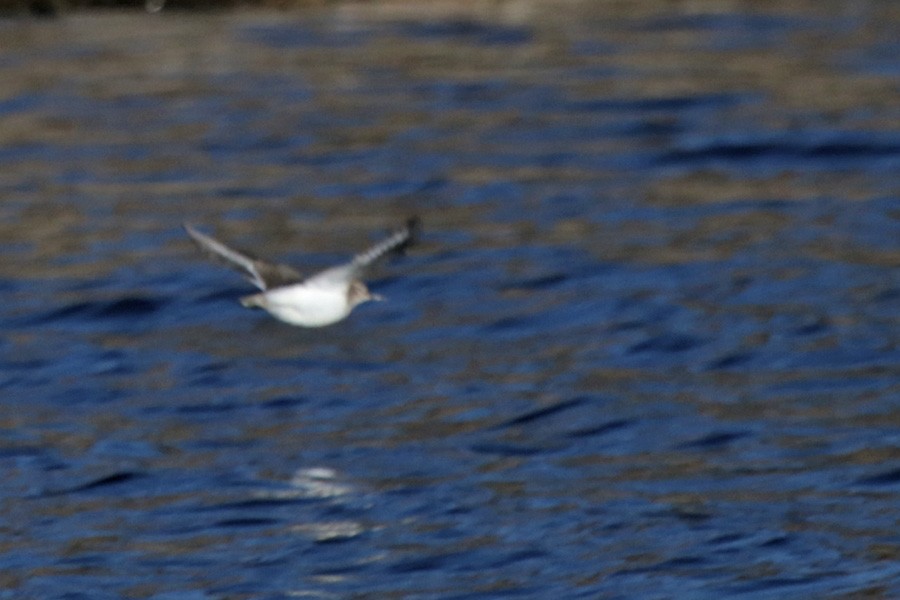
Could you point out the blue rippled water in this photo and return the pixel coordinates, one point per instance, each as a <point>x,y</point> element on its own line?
<point>647,346</point>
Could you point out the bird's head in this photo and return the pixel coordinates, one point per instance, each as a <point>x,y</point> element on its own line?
<point>359,293</point>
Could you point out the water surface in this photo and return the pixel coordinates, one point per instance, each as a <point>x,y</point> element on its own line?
<point>646,348</point>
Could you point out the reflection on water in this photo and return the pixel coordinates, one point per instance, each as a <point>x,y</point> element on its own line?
<point>648,342</point>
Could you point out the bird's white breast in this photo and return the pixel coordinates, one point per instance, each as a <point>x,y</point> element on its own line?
<point>308,305</point>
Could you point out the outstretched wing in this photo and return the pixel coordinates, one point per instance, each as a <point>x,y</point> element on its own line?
<point>396,242</point>
<point>262,274</point>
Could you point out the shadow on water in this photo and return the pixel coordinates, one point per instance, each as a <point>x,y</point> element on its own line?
<point>648,341</point>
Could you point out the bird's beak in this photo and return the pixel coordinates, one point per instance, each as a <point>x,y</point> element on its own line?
<point>377,297</point>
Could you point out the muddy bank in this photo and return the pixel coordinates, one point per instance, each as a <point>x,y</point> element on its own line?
<point>55,7</point>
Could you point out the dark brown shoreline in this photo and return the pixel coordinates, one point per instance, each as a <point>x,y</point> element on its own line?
<point>54,7</point>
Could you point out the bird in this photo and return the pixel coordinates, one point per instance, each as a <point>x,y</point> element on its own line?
<point>321,299</point>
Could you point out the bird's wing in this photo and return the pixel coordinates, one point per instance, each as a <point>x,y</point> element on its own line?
<point>262,274</point>
<point>396,242</point>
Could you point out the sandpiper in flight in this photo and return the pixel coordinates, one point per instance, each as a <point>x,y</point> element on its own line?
<point>319,300</point>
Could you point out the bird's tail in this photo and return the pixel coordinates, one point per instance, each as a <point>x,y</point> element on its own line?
<point>254,301</point>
